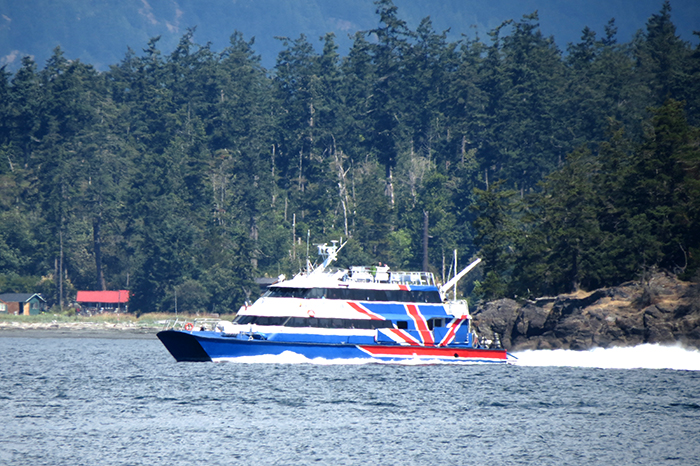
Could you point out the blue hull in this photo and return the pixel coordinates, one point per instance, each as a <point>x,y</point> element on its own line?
<point>212,346</point>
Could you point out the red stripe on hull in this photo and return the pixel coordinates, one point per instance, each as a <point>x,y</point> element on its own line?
<point>433,352</point>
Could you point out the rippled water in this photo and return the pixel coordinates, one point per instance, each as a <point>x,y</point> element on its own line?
<point>91,401</point>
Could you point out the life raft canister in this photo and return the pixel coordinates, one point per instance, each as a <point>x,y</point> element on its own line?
<point>189,326</point>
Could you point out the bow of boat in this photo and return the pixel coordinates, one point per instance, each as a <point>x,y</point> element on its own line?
<point>183,345</point>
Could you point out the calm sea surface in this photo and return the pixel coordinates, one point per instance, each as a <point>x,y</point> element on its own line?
<point>96,401</point>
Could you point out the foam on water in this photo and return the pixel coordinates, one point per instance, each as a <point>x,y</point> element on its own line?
<point>647,356</point>
<point>289,357</point>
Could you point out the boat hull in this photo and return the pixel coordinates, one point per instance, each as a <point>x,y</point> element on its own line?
<point>213,346</point>
<point>183,346</point>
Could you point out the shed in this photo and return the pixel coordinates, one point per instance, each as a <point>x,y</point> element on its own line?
<point>104,300</point>
<point>28,304</point>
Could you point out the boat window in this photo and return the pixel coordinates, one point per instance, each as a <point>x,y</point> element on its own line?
<point>426,296</point>
<point>243,320</point>
<point>313,322</point>
<point>264,320</point>
<point>337,323</point>
<point>260,320</point>
<point>315,293</point>
<point>296,322</point>
<point>332,323</point>
<point>436,322</point>
<point>354,294</point>
<point>283,292</point>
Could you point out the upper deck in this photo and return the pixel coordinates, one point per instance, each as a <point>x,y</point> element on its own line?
<point>382,274</point>
<point>367,278</point>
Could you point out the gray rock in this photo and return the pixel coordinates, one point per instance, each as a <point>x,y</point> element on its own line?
<point>663,309</point>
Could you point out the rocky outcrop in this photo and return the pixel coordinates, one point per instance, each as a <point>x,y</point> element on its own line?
<point>660,310</point>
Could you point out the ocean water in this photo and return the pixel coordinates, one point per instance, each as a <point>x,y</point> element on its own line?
<point>97,401</point>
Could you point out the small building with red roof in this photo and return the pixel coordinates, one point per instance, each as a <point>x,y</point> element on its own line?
<point>100,301</point>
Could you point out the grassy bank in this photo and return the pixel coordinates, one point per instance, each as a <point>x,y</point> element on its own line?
<point>144,320</point>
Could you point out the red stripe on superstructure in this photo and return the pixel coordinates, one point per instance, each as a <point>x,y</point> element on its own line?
<point>421,324</point>
<point>432,351</point>
<point>405,336</point>
<point>403,287</point>
<point>365,311</point>
<point>447,339</point>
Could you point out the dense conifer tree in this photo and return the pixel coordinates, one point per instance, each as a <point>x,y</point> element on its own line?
<point>183,175</point>
<point>497,230</point>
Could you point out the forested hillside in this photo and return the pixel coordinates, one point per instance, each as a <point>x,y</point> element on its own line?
<point>187,174</point>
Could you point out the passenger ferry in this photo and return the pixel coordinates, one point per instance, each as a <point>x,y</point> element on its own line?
<point>360,312</point>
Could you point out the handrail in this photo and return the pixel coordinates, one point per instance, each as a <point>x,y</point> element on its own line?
<point>200,323</point>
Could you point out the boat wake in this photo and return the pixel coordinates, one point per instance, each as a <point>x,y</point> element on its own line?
<point>289,357</point>
<point>647,356</point>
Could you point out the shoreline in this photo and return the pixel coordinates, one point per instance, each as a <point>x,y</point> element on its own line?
<point>108,330</point>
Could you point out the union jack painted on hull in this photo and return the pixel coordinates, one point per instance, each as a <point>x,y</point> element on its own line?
<point>381,351</point>
<point>362,312</point>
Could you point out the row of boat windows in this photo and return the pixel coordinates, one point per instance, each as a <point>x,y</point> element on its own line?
<point>314,322</point>
<point>354,294</point>
<point>332,323</point>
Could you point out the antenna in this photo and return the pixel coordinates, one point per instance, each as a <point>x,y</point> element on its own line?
<point>329,254</point>
<point>308,262</point>
<point>455,290</point>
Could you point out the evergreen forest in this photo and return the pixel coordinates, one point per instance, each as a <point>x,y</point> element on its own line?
<point>183,176</point>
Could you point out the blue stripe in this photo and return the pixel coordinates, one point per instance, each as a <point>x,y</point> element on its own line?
<point>423,288</point>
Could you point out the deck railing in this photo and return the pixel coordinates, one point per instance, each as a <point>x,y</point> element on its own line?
<point>181,323</point>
